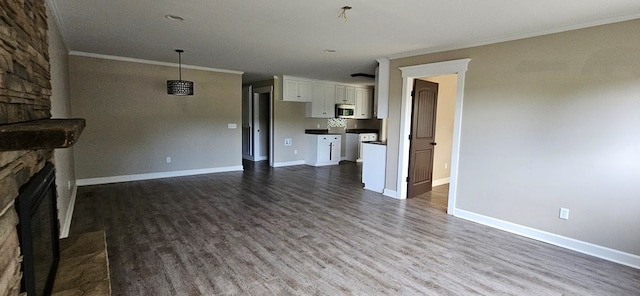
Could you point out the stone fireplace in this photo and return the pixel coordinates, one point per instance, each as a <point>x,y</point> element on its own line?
<point>27,135</point>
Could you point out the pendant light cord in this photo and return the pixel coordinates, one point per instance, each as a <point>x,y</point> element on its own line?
<point>180,64</point>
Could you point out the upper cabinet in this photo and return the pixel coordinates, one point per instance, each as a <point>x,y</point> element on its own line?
<point>345,95</point>
<point>296,90</point>
<point>323,98</point>
<point>381,101</point>
<point>364,102</point>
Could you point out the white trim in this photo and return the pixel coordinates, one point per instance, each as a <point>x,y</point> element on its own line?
<point>150,176</point>
<point>260,158</point>
<point>288,163</point>
<point>440,181</point>
<point>150,62</point>
<point>554,239</point>
<point>554,30</point>
<point>66,224</point>
<point>390,193</point>
<point>408,75</point>
<point>53,11</point>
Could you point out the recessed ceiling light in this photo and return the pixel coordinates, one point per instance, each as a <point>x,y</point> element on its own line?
<point>174,17</point>
<point>330,50</point>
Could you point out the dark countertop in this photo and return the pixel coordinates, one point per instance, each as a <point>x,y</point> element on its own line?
<point>383,143</point>
<point>361,130</point>
<point>316,131</point>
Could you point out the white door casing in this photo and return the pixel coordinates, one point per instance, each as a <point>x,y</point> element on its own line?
<point>408,75</point>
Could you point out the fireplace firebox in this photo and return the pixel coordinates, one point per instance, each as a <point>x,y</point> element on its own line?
<point>38,232</point>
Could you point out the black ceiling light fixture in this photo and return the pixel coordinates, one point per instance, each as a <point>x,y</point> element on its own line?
<point>343,14</point>
<point>363,75</point>
<point>180,87</point>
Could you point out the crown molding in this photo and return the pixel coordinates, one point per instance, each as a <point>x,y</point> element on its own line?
<point>561,29</point>
<point>150,62</point>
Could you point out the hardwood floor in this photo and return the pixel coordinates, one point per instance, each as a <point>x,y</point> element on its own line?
<point>313,231</point>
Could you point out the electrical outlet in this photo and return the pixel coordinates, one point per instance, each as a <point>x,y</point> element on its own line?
<point>564,213</point>
<point>446,165</point>
<point>295,151</point>
<point>287,142</point>
<point>318,125</point>
<point>168,159</point>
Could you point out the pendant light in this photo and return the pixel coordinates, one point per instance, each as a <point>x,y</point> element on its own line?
<point>180,87</point>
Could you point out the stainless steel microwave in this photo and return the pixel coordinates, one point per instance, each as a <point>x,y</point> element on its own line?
<point>345,111</point>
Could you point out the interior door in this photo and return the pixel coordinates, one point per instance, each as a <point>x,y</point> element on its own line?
<point>422,137</point>
<point>247,119</point>
<point>260,126</point>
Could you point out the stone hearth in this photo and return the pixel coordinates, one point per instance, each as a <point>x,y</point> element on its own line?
<point>84,266</point>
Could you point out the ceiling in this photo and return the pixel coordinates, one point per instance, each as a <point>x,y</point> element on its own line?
<point>266,38</point>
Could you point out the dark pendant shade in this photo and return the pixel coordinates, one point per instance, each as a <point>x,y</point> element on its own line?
<point>180,87</point>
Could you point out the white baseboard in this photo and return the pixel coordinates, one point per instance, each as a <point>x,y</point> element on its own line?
<point>260,158</point>
<point>150,176</point>
<point>66,224</point>
<point>390,193</point>
<point>554,239</point>
<point>288,163</point>
<point>440,182</point>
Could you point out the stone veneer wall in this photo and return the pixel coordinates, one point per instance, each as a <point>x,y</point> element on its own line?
<point>24,96</point>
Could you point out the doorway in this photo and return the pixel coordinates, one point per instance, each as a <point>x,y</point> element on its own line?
<point>257,123</point>
<point>408,75</point>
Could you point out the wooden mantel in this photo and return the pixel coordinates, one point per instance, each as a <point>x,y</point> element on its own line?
<point>40,134</point>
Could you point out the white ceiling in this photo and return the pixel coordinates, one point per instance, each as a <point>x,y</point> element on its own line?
<point>266,38</point>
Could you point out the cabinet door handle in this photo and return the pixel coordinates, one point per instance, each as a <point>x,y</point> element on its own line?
<point>330,150</point>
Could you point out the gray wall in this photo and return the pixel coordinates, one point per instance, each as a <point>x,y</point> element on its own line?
<point>133,125</point>
<point>61,108</point>
<point>548,122</point>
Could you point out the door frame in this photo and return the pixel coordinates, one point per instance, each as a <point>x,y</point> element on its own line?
<point>269,90</point>
<point>409,74</point>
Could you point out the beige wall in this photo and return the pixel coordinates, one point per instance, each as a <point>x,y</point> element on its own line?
<point>61,108</point>
<point>447,85</point>
<point>133,125</point>
<point>548,122</point>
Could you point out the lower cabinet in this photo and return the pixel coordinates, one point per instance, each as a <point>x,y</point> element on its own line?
<point>374,159</point>
<point>353,148</point>
<point>323,149</point>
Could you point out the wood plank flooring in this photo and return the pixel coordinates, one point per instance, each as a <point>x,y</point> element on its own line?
<point>313,231</point>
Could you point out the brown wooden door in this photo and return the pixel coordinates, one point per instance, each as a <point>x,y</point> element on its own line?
<point>423,130</point>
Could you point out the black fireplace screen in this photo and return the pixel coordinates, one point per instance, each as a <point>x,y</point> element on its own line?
<point>38,232</point>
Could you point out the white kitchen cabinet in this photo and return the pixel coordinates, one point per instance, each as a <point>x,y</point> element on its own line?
<point>374,159</point>
<point>353,148</point>
<point>345,95</point>
<point>323,97</point>
<point>381,99</point>
<point>296,90</point>
<point>364,101</point>
<point>323,149</point>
